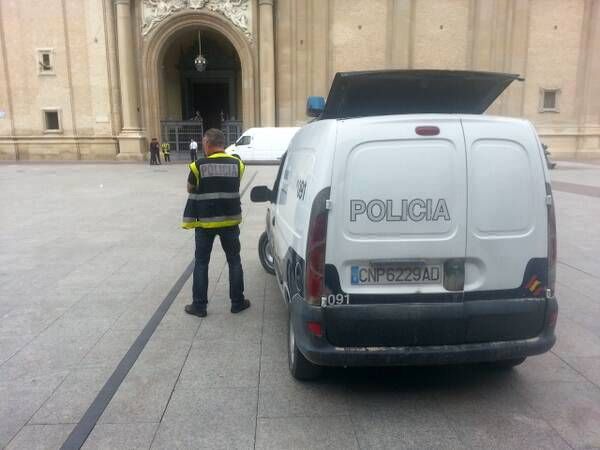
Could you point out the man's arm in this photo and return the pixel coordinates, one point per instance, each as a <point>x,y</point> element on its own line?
<point>191,182</point>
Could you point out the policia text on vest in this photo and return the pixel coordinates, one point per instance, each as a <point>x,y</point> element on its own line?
<point>214,208</point>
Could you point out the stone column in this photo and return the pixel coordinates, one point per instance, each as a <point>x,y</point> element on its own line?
<point>588,88</point>
<point>131,140</point>
<point>266,63</point>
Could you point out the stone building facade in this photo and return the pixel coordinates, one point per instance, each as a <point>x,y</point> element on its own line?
<point>96,79</point>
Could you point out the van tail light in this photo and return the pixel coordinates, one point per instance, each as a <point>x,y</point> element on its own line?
<point>552,257</point>
<point>315,328</point>
<point>315,249</point>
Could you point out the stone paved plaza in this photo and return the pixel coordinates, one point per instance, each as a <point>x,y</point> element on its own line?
<point>89,252</point>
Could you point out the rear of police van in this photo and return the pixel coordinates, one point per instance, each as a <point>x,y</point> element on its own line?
<point>436,244</point>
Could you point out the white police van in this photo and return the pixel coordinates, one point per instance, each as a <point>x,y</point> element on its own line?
<point>262,144</point>
<point>407,228</point>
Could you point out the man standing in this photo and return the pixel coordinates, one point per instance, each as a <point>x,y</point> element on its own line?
<point>193,149</point>
<point>153,151</point>
<point>214,208</point>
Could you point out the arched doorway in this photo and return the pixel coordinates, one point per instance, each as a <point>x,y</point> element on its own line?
<point>172,89</point>
<point>213,94</point>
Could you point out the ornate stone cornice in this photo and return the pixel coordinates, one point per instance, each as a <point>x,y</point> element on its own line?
<point>236,11</point>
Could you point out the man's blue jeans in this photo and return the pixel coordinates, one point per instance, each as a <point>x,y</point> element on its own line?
<point>230,241</point>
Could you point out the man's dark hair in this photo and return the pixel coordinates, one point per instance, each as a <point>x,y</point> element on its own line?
<point>215,137</point>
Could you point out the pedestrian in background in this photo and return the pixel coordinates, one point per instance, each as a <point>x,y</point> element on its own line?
<point>193,149</point>
<point>166,149</point>
<point>153,152</point>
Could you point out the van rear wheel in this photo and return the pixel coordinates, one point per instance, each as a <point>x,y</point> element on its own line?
<point>300,367</point>
<point>265,254</point>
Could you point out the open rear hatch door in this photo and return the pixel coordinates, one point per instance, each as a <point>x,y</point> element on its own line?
<point>376,93</point>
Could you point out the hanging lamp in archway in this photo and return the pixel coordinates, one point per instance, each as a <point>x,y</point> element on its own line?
<point>200,61</point>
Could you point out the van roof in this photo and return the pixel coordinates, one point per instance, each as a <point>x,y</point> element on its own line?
<point>384,92</point>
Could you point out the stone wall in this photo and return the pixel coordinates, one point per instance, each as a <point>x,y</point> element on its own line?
<point>79,87</point>
<point>553,44</point>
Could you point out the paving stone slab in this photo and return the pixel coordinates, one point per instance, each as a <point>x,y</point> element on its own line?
<point>127,436</point>
<point>587,366</point>
<point>198,405</point>
<point>40,437</point>
<point>221,365</point>
<point>21,398</point>
<point>574,339</point>
<point>382,431</point>
<point>10,345</point>
<point>72,398</point>
<point>213,433</point>
<point>572,409</point>
<point>336,432</point>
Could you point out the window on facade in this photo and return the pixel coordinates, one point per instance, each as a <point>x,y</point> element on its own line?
<point>45,62</point>
<point>51,120</point>
<point>549,100</point>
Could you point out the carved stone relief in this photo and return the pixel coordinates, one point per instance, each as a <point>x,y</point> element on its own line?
<point>236,11</point>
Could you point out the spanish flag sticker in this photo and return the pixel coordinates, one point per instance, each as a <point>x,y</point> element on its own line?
<point>535,286</point>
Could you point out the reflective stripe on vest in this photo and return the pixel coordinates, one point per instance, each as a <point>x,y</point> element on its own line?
<point>215,202</point>
<point>214,195</point>
<point>213,222</point>
<point>194,169</point>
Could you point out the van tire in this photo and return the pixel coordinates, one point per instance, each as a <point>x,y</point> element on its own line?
<point>300,367</point>
<point>506,364</point>
<point>265,254</point>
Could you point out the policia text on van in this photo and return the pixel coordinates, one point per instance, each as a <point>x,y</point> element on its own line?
<point>379,255</point>
<point>213,208</point>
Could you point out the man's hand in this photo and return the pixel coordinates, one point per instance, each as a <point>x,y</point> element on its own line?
<point>190,188</point>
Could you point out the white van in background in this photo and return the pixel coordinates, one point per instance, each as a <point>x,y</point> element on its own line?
<point>407,228</point>
<point>263,144</point>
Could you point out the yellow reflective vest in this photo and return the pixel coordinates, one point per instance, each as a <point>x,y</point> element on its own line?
<point>215,202</point>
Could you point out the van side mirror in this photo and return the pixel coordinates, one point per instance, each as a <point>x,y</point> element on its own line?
<point>315,106</point>
<point>261,194</point>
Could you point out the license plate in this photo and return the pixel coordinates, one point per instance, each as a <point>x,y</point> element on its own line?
<point>391,273</point>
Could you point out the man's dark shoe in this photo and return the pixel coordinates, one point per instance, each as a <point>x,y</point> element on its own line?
<point>195,310</point>
<point>239,307</point>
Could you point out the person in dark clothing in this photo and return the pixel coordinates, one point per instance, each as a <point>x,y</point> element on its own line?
<point>154,149</point>
<point>214,209</point>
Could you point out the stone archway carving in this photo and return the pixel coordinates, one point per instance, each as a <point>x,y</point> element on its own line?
<point>155,11</point>
<point>155,44</point>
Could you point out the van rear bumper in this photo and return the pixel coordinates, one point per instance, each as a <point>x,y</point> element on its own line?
<point>319,350</point>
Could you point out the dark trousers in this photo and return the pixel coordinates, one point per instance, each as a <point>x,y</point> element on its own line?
<point>230,241</point>
<point>167,157</point>
<point>193,155</point>
<point>152,157</point>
